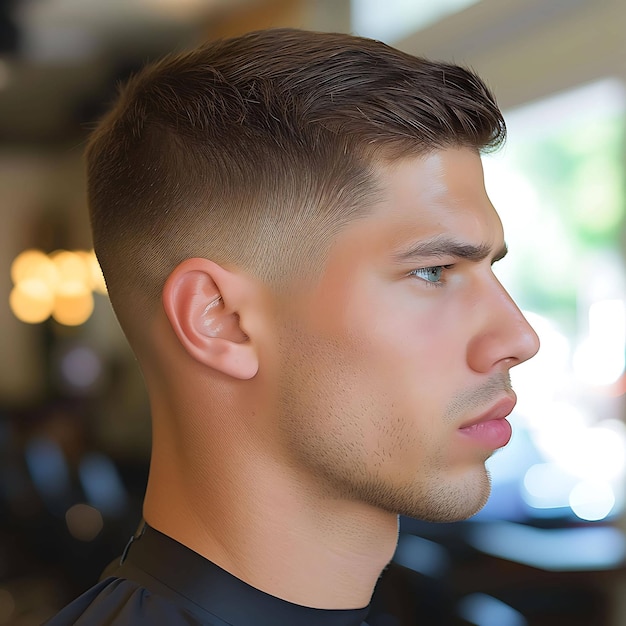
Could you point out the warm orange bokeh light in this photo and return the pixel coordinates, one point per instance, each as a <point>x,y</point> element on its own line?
<point>31,301</point>
<point>70,266</point>
<point>73,306</point>
<point>60,285</point>
<point>34,265</point>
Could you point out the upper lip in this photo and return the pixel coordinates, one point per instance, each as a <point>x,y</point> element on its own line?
<point>499,410</point>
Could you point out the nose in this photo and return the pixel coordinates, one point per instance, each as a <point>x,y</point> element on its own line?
<point>504,338</point>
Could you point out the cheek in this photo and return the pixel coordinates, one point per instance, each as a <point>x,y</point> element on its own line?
<point>417,359</point>
<point>386,355</point>
<point>323,379</point>
<point>425,342</point>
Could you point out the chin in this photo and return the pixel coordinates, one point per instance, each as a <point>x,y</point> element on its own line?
<point>452,503</point>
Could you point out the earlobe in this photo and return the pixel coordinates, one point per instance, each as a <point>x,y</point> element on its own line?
<point>200,301</point>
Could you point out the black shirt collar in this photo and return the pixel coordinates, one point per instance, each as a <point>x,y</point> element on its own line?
<point>218,592</point>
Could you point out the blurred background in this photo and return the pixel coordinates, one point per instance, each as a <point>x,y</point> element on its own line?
<point>549,547</point>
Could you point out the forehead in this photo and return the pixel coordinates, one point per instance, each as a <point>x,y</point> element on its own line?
<point>441,193</point>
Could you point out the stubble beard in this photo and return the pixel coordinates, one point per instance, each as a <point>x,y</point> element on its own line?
<point>337,466</point>
<point>341,469</point>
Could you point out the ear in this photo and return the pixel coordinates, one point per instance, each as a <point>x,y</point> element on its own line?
<point>201,300</point>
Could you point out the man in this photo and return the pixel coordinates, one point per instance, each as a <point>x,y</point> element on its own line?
<point>298,244</point>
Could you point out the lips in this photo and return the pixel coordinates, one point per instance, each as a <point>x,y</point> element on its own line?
<point>491,429</point>
<point>500,410</point>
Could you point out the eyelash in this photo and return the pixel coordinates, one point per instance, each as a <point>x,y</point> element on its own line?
<point>439,283</point>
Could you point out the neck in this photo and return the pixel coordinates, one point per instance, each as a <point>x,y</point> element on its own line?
<point>253,518</point>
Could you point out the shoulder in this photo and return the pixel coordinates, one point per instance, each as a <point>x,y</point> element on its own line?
<point>121,602</point>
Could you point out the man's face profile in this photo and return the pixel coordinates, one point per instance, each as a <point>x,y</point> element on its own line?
<point>389,362</point>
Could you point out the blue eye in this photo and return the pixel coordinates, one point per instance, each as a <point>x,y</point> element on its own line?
<point>431,275</point>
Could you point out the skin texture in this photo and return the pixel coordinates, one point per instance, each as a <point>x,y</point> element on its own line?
<point>382,367</point>
<point>290,432</point>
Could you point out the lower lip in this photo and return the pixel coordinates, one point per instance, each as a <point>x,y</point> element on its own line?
<point>492,434</point>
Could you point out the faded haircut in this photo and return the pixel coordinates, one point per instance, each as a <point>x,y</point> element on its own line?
<point>255,151</point>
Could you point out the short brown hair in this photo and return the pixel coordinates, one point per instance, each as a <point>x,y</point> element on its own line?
<point>254,151</point>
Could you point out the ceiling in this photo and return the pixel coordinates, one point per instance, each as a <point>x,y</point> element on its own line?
<point>60,59</point>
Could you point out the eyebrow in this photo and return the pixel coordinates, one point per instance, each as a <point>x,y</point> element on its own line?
<point>442,246</point>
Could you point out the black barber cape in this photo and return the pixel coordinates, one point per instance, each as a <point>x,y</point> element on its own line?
<point>161,582</point>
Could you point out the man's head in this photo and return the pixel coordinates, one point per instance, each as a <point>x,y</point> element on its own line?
<point>307,211</point>
<point>255,151</point>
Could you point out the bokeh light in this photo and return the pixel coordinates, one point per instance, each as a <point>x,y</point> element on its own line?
<point>81,367</point>
<point>31,301</point>
<point>547,486</point>
<point>592,500</point>
<point>60,285</point>
<point>34,265</point>
<point>73,306</point>
<point>84,522</point>
<point>485,610</point>
<point>71,268</point>
<point>600,359</point>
